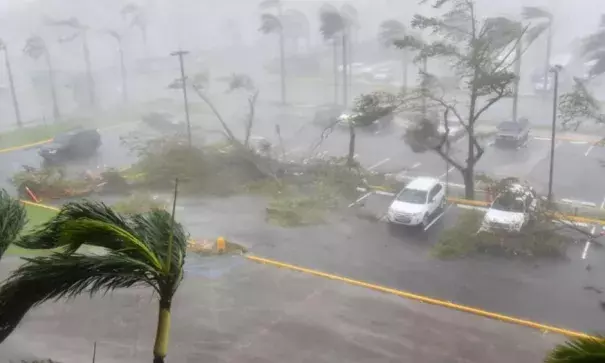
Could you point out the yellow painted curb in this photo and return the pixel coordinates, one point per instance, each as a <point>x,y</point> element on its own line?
<point>21,147</point>
<point>425,299</point>
<point>43,206</point>
<point>479,203</point>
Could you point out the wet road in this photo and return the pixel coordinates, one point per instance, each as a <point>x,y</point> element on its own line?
<point>558,292</point>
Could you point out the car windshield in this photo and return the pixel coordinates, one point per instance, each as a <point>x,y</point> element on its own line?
<point>508,203</point>
<point>413,196</point>
<point>509,126</point>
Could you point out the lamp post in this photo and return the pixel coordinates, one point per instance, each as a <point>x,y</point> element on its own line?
<point>555,70</point>
<point>180,54</point>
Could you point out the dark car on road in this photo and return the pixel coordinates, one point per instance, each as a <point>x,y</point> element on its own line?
<point>513,134</point>
<point>75,144</point>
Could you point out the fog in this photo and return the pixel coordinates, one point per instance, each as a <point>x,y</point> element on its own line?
<point>222,38</point>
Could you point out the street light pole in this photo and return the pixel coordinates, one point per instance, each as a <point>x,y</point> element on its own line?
<point>180,54</point>
<point>555,71</point>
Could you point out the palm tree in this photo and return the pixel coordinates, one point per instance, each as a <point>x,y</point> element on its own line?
<point>390,31</point>
<point>145,249</point>
<point>545,23</point>
<point>296,27</point>
<point>81,31</point>
<point>579,350</point>
<point>349,12</point>
<point>35,47</point>
<point>593,48</point>
<point>118,37</point>
<point>13,217</point>
<point>273,24</point>
<point>138,18</point>
<point>9,70</point>
<point>333,26</point>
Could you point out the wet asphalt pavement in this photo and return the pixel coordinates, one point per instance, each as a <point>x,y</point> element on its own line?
<point>229,309</point>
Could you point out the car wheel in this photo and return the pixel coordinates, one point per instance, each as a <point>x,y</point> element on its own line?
<point>425,221</point>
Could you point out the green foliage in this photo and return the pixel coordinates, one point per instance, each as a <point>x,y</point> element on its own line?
<point>579,105</point>
<point>579,350</point>
<point>140,202</point>
<point>141,249</point>
<point>374,106</point>
<point>539,239</point>
<point>332,23</point>
<point>12,220</point>
<point>270,24</point>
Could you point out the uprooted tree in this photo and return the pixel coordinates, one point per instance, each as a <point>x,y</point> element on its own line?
<point>481,52</point>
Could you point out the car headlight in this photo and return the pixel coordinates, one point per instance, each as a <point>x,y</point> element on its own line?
<point>51,151</point>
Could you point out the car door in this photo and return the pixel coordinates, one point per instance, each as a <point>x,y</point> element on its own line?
<point>434,198</point>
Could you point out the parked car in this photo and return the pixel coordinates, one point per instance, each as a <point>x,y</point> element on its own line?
<point>417,203</point>
<point>512,209</point>
<point>327,115</point>
<point>75,144</point>
<point>513,134</point>
<point>367,123</point>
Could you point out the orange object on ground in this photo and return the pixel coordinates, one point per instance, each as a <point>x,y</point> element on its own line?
<point>221,244</point>
<point>31,194</point>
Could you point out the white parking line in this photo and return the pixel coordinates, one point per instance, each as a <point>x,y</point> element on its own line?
<point>589,150</point>
<point>587,245</point>
<point>542,138</point>
<point>437,217</point>
<point>379,163</point>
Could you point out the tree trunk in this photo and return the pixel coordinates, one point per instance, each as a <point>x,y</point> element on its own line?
<point>468,175</point>
<point>351,155</point>
<point>404,69</point>
<point>345,82</point>
<point>282,66</point>
<point>160,348</point>
<point>518,52</point>
<point>123,74</point>
<point>12,86</point>
<point>548,53</point>
<point>350,43</point>
<point>89,77</point>
<point>335,66</point>
<point>53,88</point>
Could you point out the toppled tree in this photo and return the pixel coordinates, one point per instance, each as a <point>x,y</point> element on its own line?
<point>481,51</point>
<point>577,106</point>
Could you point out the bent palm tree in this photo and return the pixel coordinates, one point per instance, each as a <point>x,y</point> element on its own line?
<point>141,249</point>
<point>35,47</point>
<point>12,220</point>
<point>273,24</point>
<point>593,48</point>
<point>579,350</point>
<point>545,23</point>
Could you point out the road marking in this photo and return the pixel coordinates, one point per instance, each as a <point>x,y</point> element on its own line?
<point>589,150</point>
<point>361,198</point>
<point>542,138</point>
<point>437,218</point>
<point>416,165</point>
<point>579,142</point>
<point>422,298</point>
<point>26,146</point>
<point>447,172</point>
<point>379,163</point>
<point>587,245</point>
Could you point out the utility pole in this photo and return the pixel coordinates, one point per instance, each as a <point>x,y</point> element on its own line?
<point>12,86</point>
<point>518,51</point>
<point>180,54</point>
<point>555,70</point>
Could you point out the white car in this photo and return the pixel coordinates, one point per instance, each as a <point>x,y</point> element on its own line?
<point>511,210</point>
<point>415,204</point>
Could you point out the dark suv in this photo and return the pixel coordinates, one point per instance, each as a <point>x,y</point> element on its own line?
<point>75,144</point>
<point>513,134</point>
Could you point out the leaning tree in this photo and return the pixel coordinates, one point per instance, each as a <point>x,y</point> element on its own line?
<point>274,24</point>
<point>481,51</point>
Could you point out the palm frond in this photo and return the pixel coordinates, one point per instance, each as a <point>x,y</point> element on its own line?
<point>65,276</point>
<point>12,220</point>
<point>594,42</point>
<point>331,23</point>
<point>269,24</point>
<point>534,32</point>
<point>579,350</point>
<point>391,30</point>
<point>34,47</point>
<point>47,235</point>
<point>534,12</point>
<point>154,228</point>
